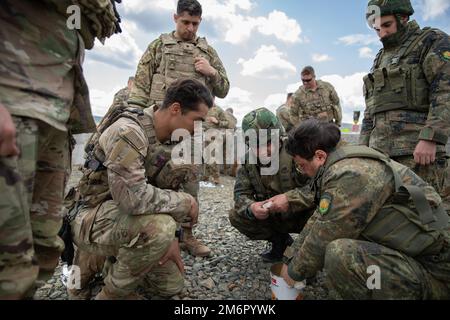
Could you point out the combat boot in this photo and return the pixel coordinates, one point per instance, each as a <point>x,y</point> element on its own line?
<point>279,244</point>
<point>193,245</point>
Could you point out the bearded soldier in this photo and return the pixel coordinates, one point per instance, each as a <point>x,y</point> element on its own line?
<point>407,94</point>
<point>43,100</point>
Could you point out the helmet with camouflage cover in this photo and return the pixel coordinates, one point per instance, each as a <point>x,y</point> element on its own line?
<point>262,118</point>
<point>390,7</point>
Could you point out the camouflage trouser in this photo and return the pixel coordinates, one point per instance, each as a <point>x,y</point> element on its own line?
<point>437,175</point>
<point>278,223</point>
<point>137,243</point>
<point>349,263</point>
<point>212,172</point>
<point>31,188</point>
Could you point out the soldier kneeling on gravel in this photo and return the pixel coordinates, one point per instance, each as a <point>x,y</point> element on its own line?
<point>379,230</point>
<point>255,216</point>
<point>121,213</point>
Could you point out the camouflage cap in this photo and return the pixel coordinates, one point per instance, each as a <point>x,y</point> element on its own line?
<point>261,118</point>
<point>388,7</point>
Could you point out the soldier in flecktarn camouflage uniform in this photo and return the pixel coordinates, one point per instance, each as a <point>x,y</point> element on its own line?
<point>180,54</point>
<point>315,99</point>
<point>123,210</point>
<point>379,230</point>
<point>407,94</point>
<point>43,100</point>
<point>253,215</point>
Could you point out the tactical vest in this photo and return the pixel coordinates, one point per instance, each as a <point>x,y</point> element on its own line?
<point>289,177</point>
<point>93,186</point>
<point>406,222</point>
<point>401,85</point>
<point>177,62</point>
<point>320,104</point>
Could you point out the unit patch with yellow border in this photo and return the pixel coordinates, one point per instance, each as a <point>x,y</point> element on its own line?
<point>325,203</point>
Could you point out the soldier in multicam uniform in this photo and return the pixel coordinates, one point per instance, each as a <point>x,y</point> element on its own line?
<point>407,94</point>
<point>43,99</point>
<point>253,215</point>
<point>230,169</point>
<point>178,55</point>
<point>121,213</point>
<point>284,115</point>
<point>371,211</point>
<point>315,99</point>
<point>218,120</point>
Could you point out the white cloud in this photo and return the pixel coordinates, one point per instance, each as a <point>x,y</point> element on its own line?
<point>232,18</point>
<point>238,99</point>
<point>359,39</point>
<point>148,5</point>
<point>273,101</point>
<point>349,89</point>
<point>366,52</point>
<point>317,57</point>
<point>434,8</point>
<point>120,50</point>
<point>267,63</point>
<point>102,100</point>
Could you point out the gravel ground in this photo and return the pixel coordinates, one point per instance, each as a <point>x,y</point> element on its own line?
<point>234,271</point>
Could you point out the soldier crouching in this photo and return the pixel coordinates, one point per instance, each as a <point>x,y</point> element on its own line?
<point>122,213</point>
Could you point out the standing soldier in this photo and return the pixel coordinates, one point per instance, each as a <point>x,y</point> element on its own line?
<point>218,120</point>
<point>176,55</point>
<point>253,215</point>
<point>407,94</point>
<point>315,99</point>
<point>230,169</point>
<point>284,115</point>
<point>43,100</point>
<point>372,214</point>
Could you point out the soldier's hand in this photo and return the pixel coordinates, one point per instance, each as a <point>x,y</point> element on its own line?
<point>202,66</point>
<point>280,203</point>
<point>284,274</point>
<point>193,214</point>
<point>173,253</point>
<point>8,146</point>
<point>425,153</point>
<point>212,120</point>
<point>259,211</point>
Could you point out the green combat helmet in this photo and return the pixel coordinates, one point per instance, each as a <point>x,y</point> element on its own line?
<point>262,119</point>
<point>390,7</point>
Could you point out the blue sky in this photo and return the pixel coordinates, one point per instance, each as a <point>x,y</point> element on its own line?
<point>263,45</point>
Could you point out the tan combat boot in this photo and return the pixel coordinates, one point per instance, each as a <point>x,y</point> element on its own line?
<point>192,245</point>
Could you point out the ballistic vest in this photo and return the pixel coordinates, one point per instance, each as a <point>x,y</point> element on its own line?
<point>406,222</point>
<point>402,84</point>
<point>177,62</point>
<point>317,104</point>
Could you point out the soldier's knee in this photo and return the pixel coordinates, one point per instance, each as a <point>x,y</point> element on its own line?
<point>160,230</point>
<point>232,216</point>
<point>337,258</point>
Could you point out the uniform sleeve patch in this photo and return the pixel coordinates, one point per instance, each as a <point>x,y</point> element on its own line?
<point>446,55</point>
<point>325,203</point>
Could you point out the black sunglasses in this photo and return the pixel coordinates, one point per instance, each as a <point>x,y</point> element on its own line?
<point>306,80</point>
